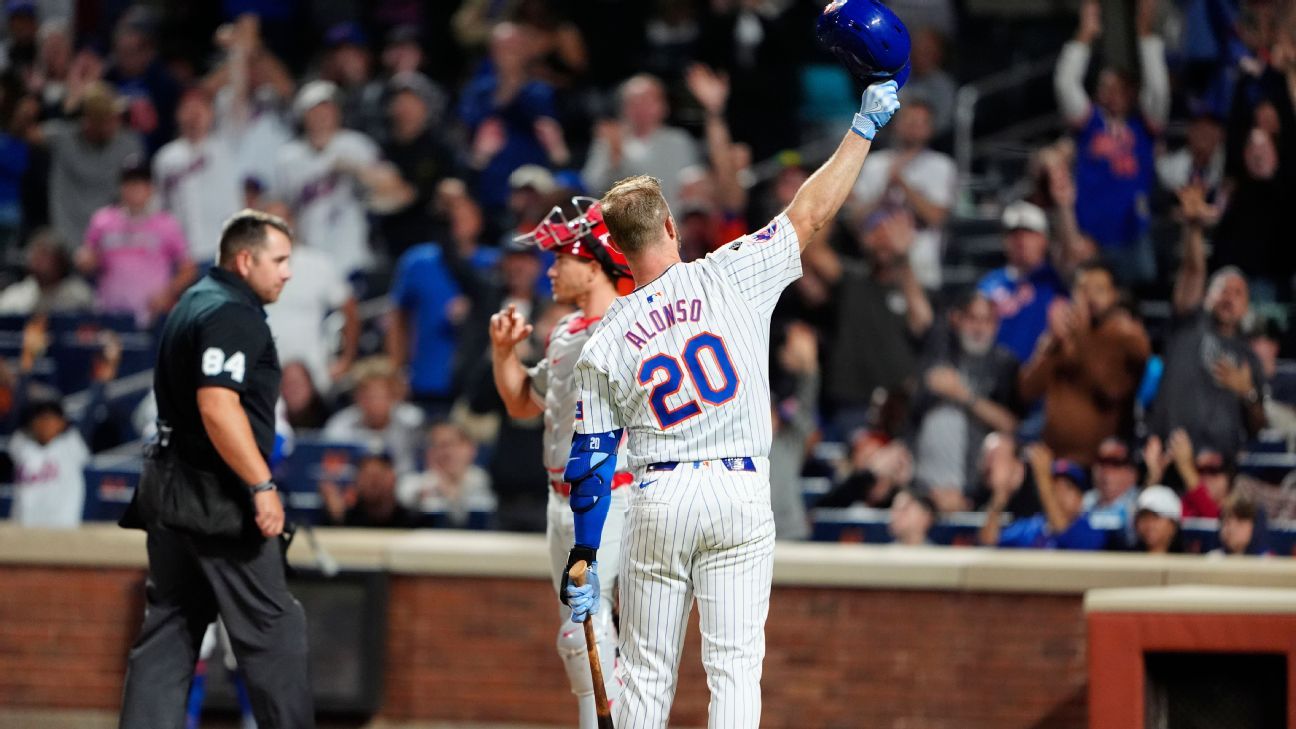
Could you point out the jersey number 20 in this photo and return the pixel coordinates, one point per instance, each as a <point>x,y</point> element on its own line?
<point>711,393</point>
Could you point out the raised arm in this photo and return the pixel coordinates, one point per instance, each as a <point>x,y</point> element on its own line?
<point>1154,98</point>
<point>712,92</point>
<point>1041,462</point>
<point>1068,75</point>
<point>822,195</point>
<point>1190,282</point>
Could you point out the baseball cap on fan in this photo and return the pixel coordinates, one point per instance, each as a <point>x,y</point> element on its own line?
<point>1022,215</point>
<point>313,94</point>
<point>533,176</point>
<point>1162,501</point>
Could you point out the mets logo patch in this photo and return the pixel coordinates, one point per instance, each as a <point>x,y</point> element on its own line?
<point>766,233</point>
<point>580,409</point>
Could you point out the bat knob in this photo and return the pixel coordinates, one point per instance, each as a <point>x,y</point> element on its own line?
<point>577,573</point>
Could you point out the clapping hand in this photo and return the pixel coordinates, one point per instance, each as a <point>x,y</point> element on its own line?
<point>711,89</point>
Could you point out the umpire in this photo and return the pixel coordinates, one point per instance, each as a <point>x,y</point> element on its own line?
<point>205,497</point>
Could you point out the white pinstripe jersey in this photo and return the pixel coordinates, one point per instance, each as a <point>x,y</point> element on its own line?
<point>682,363</point>
<point>553,382</point>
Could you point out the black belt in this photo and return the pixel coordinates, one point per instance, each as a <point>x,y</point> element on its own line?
<point>733,464</point>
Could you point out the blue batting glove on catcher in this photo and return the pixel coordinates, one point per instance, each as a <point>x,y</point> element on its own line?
<point>876,107</point>
<point>583,600</point>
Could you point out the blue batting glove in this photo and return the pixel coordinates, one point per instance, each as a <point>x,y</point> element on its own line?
<point>584,600</point>
<point>876,107</point>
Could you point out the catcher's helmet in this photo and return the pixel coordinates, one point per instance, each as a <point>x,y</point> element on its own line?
<point>585,237</point>
<point>867,38</point>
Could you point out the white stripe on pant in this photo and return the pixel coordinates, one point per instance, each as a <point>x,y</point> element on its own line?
<point>706,532</point>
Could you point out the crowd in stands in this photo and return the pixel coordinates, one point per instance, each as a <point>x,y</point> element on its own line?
<point>409,144</point>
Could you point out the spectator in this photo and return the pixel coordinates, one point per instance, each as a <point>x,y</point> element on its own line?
<point>450,483</point>
<point>929,83</point>
<point>794,423</point>
<point>428,308</point>
<point>1157,521</point>
<point>1241,529</point>
<point>1260,160</point>
<point>18,50</point>
<point>349,64</point>
<point>967,389</point>
<point>252,91</point>
<point>50,453</point>
<point>371,502</point>
<point>1265,337</point>
<point>403,53</point>
<point>1207,476</point>
<point>1212,381</point>
<point>320,176</point>
<point>880,471</point>
<point>419,151</point>
<point>48,81</point>
<point>1062,525</point>
<point>751,42</point>
<point>721,206</point>
<point>1111,503</point>
<point>911,176</point>
<point>882,311</point>
<point>15,158</point>
<point>378,415</point>
<point>1002,470</point>
<point>912,516</point>
<point>672,34</point>
<point>142,79</point>
<point>199,177</point>
<point>1211,478</point>
<point>138,254</point>
<point>640,142</point>
<point>1115,141</point>
<point>1087,367</point>
<point>1024,290</point>
<point>50,286</point>
<point>86,157</point>
<point>510,118</point>
<point>304,406</point>
<point>560,56</point>
<point>299,323</point>
<point>1200,161</point>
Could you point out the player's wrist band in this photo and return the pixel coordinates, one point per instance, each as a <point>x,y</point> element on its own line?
<point>582,552</point>
<point>266,485</point>
<point>864,126</point>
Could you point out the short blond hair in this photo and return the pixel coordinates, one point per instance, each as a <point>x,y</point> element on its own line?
<point>635,212</point>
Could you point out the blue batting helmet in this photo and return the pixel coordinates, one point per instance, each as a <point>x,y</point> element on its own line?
<point>867,38</point>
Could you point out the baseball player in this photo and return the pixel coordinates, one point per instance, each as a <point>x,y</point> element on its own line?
<point>586,273</point>
<point>682,365</point>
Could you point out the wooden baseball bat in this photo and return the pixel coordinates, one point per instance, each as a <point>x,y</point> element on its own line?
<point>577,576</point>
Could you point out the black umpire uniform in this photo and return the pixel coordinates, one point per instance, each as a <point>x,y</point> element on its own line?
<point>206,554</point>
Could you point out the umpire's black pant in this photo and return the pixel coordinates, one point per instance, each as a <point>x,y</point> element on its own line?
<point>190,580</point>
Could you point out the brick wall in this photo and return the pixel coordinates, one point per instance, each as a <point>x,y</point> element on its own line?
<point>885,659</point>
<point>64,634</point>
